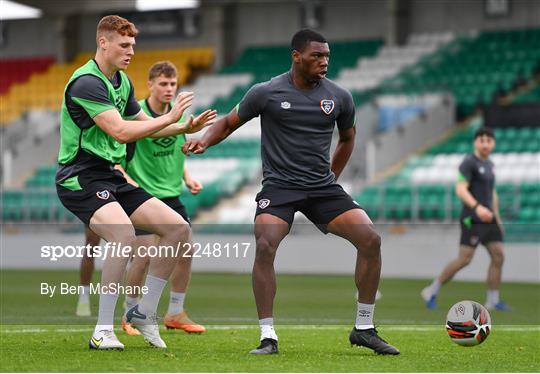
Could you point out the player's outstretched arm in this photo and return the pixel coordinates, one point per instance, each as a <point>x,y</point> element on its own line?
<point>124,131</point>
<point>191,126</point>
<point>215,134</point>
<point>343,150</point>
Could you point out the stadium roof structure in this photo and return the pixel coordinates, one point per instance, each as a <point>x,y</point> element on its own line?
<point>13,10</point>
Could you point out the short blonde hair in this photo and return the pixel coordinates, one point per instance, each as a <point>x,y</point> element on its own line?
<point>165,68</point>
<point>113,23</point>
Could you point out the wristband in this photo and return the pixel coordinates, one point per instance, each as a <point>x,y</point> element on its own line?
<point>475,206</point>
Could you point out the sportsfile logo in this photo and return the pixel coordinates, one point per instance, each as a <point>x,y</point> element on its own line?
<point>116,250</point>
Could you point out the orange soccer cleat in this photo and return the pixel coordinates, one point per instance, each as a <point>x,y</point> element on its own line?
<point>181,321</point>
<point>128,328</point>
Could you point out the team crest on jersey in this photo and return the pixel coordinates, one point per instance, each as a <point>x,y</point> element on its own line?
<point>263,203</point>
<point>327,106</point>
<point>103,195</point>
<point>285,105</point>
<point>482,170</point>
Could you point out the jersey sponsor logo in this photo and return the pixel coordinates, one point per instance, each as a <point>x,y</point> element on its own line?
<point>163,153</point>
<point>165,142</point>
<point>327,106</point>
<point>285,105</point>
<point>103,195</point>
<point>263,203</point>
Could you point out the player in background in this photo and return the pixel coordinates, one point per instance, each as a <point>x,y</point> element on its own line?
<point>299,110</point>
<point>480,221</point>
<point>99,116</point>
<point>158,167</point>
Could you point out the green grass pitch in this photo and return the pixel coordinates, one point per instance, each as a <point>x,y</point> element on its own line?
<point>313,313</point>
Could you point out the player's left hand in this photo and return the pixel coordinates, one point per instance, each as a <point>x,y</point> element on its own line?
<point>194,186</point>
<point>196,124</point>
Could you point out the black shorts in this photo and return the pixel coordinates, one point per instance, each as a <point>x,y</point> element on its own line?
<point>175,204</point>
<point>320,205</point>
<point>97,188</point>
<point>475,233</point>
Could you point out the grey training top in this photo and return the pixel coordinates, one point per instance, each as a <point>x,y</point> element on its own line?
<point>296,129</point>
<point>480,174</point>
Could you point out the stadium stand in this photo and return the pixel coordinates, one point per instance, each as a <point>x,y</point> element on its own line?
<point>265,62</point>
<point>369,72</point>
<point>19,70</point>
<point>530,96</point>
<point>475,68</point>
<point>45,86</point>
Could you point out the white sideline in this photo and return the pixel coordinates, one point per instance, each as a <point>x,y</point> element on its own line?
<point>535,328</point>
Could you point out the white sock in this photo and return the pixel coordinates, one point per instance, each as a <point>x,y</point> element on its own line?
<point>435,286</point>
<point>131,302</point>
<point>493,296</point>
<point>267,329</point>
<point>107,304</point>
<point>84,296</point>
<point>176,303</point>
<point>364,316</point>
<point>150,301</point>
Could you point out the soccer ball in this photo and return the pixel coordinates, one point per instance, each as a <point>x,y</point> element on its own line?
<point>468,323</point>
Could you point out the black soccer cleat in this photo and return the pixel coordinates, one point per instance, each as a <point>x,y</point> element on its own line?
<point>267,347</point>
<point>369,338</point>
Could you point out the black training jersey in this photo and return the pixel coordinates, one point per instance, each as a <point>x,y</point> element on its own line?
<point>480,174</point>
<point>296,129</point>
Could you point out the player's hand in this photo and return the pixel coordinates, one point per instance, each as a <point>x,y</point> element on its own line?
<point>181,103</point>
<point>196,146</point>
<point>196,124</point>
<point>194,186</point>
<point>484,214</point>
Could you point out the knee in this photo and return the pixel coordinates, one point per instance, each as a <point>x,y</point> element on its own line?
<point>372,244</point>
<point>497,259</point>
<point>265,249</point>
<point>179,232</point>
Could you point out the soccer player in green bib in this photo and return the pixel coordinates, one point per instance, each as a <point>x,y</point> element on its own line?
<point>99,116</point>
<point>157,165</point>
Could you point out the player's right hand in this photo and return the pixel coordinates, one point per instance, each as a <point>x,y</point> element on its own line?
<point>484,214</point>
<point>181,103</point>
<point>196,146</point>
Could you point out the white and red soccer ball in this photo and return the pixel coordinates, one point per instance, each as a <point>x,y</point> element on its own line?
<point>468,323</point>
